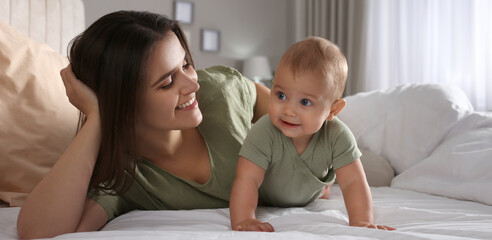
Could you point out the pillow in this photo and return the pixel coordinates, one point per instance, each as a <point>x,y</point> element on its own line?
<point>37,122</point>
<point>378,171</point>
<point>460,167</point>
<point>406,123</point>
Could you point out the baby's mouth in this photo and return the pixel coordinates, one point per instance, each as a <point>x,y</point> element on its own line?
<point>288,124</point>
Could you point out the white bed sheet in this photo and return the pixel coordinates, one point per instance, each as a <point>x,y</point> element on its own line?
<point>415,215</point>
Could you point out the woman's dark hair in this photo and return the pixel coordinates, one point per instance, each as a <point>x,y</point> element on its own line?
<point>111,57</point>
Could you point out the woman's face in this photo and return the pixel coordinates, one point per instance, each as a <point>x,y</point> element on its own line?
<point>169,92</point>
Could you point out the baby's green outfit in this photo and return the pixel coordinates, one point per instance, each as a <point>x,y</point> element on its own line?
<point>292,179</point>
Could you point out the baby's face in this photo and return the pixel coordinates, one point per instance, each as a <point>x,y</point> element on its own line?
<point>299,106</point>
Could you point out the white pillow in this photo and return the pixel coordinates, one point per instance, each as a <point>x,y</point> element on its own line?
<point>461,167</point>
<point>378,171</point>
<point>404,124</point>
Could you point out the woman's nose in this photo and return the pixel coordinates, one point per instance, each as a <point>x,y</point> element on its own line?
<point>190,82</point>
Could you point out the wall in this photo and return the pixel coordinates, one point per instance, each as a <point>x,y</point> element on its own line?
<point>247,27</point>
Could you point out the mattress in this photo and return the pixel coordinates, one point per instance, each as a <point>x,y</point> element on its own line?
<point>415,215</point>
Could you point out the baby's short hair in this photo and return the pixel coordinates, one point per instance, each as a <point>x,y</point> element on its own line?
<point>319,56</point>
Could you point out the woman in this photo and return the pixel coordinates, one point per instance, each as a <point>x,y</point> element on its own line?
<point>143,142</point>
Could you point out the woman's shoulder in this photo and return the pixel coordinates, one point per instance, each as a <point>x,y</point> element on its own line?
<point>218,75</point>
<point>225,83</point>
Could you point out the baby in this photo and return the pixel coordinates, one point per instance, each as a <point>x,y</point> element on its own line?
<point>291,156</point>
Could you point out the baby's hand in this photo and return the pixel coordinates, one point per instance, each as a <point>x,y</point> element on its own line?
<point>253,225</point>
<point>371,225</point>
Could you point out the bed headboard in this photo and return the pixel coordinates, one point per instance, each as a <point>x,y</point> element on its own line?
<point>55,22</point>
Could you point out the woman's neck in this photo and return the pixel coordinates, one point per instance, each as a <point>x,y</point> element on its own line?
<point>158,146</point>
<point>182,153</point>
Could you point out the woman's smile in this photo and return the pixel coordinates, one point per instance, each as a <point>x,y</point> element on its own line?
<point>190,104</point>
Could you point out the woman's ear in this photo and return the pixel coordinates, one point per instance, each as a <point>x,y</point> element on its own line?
<point>336,107</point>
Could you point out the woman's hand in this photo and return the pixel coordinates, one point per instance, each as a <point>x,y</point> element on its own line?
<point>79,94</point>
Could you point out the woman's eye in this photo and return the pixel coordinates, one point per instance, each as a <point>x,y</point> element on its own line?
<point>281,95</point>
<point>185,66</point>
<point>168,83</point>
<point>305,102</point>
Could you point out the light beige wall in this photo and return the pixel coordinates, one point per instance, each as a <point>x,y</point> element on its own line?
<point>247,27</point>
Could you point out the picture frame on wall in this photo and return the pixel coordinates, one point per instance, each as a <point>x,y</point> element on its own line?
<point>210,40</point>
<point>183,12</point>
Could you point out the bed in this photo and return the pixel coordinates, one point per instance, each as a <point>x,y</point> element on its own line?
<point>416,215</point>
<point>426,153</point>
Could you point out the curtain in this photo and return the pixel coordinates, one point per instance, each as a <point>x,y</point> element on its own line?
<point>439,41</point>
<point>391,42</point>
<point>331,19</point>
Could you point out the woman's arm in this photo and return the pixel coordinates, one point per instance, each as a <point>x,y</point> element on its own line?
<point>262,98</point>
<point>93,218</point>
<point>58,203</point>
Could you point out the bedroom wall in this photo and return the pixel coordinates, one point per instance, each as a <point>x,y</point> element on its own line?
<point>247,28</point>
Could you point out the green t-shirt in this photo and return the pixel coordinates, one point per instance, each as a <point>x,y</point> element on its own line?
<point>292,179</point>
<point>226,100</point>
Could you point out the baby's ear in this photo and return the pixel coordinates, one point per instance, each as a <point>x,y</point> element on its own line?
<point>336,107</point>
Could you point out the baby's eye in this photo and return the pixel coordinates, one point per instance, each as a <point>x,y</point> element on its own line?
<point>281,95</point>
<point>305,102</point>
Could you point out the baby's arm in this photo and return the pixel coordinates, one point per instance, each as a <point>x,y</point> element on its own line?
<point>357,195</point>
<point>244,197</point>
